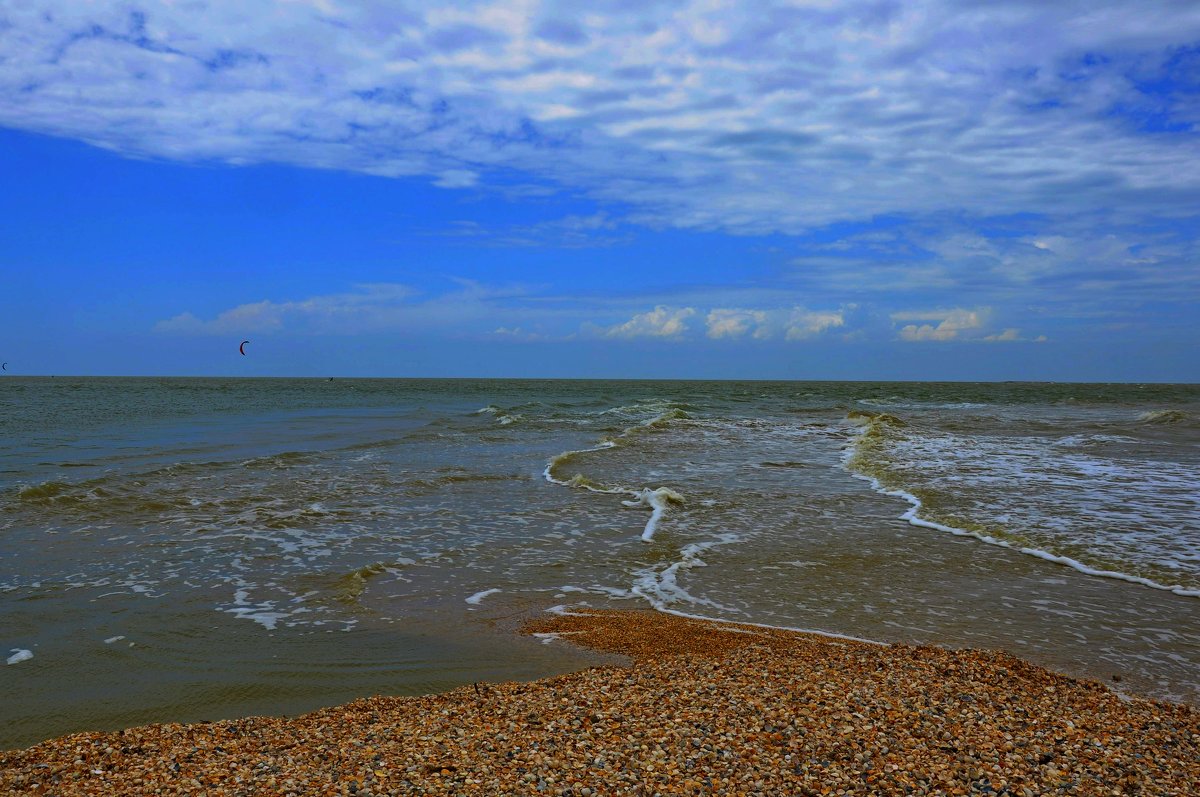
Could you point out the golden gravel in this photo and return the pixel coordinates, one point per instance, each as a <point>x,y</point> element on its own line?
<point>706,708</point>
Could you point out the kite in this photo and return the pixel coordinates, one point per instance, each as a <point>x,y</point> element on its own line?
<point>242,348</point>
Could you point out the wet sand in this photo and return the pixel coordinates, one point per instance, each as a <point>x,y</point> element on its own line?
<point>702,708</point>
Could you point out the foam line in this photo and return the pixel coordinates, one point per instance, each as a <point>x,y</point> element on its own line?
<point>719,621</point>
<point>478,597</point>
<point>548,473</point>
<point>912,517</point>
<point>657,499</point>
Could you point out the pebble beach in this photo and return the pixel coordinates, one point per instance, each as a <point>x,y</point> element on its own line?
<point>700,708</point>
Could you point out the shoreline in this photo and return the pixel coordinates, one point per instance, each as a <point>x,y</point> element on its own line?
<point>704,707</point>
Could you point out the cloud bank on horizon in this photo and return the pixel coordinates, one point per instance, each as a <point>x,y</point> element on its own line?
<point>933,172</point>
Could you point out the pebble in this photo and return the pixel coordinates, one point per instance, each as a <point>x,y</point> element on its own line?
<point>704,708</point>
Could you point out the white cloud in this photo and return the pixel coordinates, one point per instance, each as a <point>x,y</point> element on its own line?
<point>261,316</point>
<point>365,308</point>
<point>661,322</point>
<point>521,335</point>
<point>804,324</point>
<point>456,178</point>
<point>735,323</point>
<point>950,323</point>
<point>1013,335</point>
<point>796,323</point>
<point>749,117</point>
<point>569,232</point>
<point>368,306</point>
<point>1007,335</point>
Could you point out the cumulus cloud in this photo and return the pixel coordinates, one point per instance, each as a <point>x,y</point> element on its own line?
<point>796,323</point>
<point>661,322</point>
<point>803,324</point>
<point>261,316</point>
<point>735,323</point>
<point>1013,335</point>
<point>950,323</point>
<point>771,116</point>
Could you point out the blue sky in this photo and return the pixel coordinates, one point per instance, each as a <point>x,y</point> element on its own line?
<point>858,190</point>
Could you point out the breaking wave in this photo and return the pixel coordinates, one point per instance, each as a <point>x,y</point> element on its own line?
<point>883,453</point>
<point>1164,417</point>
<point>658,499</point>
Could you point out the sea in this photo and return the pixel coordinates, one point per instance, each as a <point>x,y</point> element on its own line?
<point>186,549</point>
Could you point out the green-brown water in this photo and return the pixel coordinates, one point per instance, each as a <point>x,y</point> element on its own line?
<point>199,548</point>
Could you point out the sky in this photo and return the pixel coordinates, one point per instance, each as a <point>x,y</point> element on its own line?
<point>860,189</point>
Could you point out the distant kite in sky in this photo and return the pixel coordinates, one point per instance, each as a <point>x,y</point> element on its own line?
<point>4,366</point>
<point>242,348</point>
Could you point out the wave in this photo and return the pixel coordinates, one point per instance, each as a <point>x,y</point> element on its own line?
<point>1093,440</point>
<point>567,456</point>
<point>281,461</point>
<point>351,586</point>
<point>504,417</point>
<point>863,458</point>
<point>657,499</point>
<point>664,418</point>
<point>875,422</point>
<point>44,492</point>
<point>899,403</point>
<point>1161,417</point>
<point>99,497</point>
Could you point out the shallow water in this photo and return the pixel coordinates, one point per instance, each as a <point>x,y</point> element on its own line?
<point>193,548</point>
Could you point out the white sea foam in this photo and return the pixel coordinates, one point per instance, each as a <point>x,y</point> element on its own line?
<point>1090,440</point>
<point>658,500</point>
<point>661,587</point>
<point>548,473</point>
<point>19,655</point>
<point>264,613</point>
<point>478,597</point>
<point>913,517</point>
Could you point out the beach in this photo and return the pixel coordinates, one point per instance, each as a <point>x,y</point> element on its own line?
<point>178,550</point>
<point>701,708</point>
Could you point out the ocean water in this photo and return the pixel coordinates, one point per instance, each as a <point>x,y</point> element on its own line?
<point>182,549</point>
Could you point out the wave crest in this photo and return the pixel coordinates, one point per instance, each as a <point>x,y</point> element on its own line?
<point>1164,417</point>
